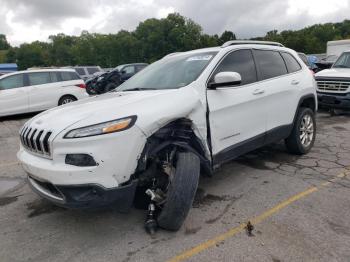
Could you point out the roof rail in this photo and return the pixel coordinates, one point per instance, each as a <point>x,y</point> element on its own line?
<point>251,42</point>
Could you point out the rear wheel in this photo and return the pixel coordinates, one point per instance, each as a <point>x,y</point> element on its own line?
<point>181,191</point>
<point>66,99</point>
<point>303,135</point>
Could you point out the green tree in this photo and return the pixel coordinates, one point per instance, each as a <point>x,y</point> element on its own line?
<point>4,45</point>
<point>226,36</point>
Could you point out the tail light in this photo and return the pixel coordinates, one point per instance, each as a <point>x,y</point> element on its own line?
<point>81,85</point>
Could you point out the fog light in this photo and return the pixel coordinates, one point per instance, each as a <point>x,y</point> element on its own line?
<point>80,160</point>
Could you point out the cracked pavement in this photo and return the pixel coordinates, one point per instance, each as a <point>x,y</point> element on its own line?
<point>315,228</point>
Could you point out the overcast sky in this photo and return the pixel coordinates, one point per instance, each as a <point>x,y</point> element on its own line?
<point>29,20</point>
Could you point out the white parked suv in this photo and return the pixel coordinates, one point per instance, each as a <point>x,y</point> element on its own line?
<point>185,114</point>
<point>38,90</point>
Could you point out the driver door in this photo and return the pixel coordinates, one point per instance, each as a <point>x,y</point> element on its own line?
<point>237,114</point>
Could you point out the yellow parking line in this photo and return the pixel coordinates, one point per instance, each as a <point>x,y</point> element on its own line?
<point>256,220</point>
<point>9,164</point>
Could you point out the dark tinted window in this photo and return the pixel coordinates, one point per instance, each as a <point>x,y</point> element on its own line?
<point>67,76</point>
<point>80,71</point>
<point>39,78</point>
<point>242,62</point>
<point>291,63</point>
<point>270,63</point>
<point>302,57</point>
<point>74,76</point>
<point>54,77</point>
<point>92,70</point>
<point>12,82</point>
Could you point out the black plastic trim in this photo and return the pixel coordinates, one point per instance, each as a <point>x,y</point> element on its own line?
<point>251,144</point>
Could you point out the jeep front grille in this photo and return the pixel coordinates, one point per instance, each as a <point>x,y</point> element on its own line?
<point>36,141</point>
<point>333,85</point>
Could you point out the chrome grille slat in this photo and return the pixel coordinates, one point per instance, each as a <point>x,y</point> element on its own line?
<point>333,85</point>
<point>36,140</point>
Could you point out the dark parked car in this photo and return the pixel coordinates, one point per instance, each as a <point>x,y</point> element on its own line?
<point>110,80</point>
<point>326,62</point>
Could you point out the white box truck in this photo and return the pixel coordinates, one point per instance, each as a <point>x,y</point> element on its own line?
<point>337,47</point>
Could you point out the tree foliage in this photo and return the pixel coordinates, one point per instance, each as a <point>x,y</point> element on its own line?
<point>4,45</point>
<point>312,39</point>
<point>153,39</point>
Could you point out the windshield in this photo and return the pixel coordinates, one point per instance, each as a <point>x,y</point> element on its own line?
<point>118,68</point>
<point>170,72</point>
<point>343,61</point>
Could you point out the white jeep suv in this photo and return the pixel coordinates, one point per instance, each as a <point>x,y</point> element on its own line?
<point>184,114</point>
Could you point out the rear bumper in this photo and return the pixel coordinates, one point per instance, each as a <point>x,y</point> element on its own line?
<point>330,100</point>
<point>88,196</point>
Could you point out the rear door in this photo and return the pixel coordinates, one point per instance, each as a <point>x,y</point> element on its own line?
<point>281,87</point>
<point>237,114</point>
<point>42,94</point>
<point>13,95</point>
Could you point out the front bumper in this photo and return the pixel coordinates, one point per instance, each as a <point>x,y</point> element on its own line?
<point>85,196</point>
<point>107,182</point>
<point>329,100</point>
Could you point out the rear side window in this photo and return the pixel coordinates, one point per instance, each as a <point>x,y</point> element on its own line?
<point>80,71</point>
<point>291,63</point>
<point>74,76</point>
<point>92,70</point>
<point>270,63</point>
<point>54,77</point>
<point>39,78</point>
<point>242,62</point>
<point>68,76</point>
<point>10,82</point>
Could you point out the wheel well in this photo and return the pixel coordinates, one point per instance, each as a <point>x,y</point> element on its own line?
<point>309,102</point>
<point>177,133</point>
<point>67,96</point>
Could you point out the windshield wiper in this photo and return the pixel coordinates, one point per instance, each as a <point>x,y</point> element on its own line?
<point>138,89</point>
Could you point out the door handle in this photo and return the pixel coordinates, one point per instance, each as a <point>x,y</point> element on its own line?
<point>258,91</point>
<point>295,82</point>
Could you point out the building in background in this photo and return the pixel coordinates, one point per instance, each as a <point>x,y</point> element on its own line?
<point>7,68</point>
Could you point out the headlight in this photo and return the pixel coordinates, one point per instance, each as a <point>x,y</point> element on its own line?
<point>102,128</point>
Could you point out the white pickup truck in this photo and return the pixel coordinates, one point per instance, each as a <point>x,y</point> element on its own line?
<point>333,85</point>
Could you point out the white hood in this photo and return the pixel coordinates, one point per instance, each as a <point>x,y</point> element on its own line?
<point>152,108</point>
<point>334,72</point>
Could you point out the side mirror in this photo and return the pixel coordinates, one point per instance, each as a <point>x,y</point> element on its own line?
<point>223,79</point>
<point>123,72</point>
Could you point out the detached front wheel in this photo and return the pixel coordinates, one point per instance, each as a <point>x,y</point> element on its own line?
<point>303,135</point>
<point>181,191</point>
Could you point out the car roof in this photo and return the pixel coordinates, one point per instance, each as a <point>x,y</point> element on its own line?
<point>39,71</point>
<point>225,49</point>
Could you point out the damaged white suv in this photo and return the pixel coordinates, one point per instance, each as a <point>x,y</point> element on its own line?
<point>183,115</point>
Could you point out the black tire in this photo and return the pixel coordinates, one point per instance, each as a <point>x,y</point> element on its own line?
<point>181,192</point>
<point>294,142</point>
<point>66,99</point>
